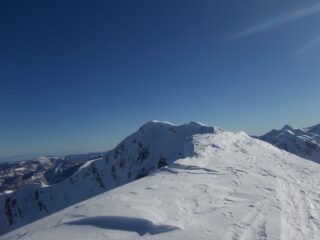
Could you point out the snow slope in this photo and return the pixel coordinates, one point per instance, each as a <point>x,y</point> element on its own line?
<point>304,142</point>
<point>224,186</point>
<point>154,145</point>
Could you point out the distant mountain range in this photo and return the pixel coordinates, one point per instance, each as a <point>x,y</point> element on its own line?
<point>304,142</point>
<point>46,170</point>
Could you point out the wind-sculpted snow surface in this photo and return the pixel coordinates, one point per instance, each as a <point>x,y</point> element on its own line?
<point>230,187</point>
<point>153,146</point>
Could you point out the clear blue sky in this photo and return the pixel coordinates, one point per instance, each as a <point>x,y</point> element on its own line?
<point>81,75</point>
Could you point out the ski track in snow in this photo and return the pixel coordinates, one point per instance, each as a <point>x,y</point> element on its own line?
<point>234,188</point>
<point>299,210</point>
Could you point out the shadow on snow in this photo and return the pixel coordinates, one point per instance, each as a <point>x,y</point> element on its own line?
<point>138,225</point>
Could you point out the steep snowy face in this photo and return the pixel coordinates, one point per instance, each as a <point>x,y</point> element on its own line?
<point>154,145</point>
<point>315,130</point>
<point>231,186</point>
<point>304,142</point>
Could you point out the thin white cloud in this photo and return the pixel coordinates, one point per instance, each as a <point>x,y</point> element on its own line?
<point>277,21</point>
<point>308,46</point>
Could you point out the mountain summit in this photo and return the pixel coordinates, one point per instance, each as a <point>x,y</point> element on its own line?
<point>287,128</point>
<point>202,183</point>
<point>155,145</point>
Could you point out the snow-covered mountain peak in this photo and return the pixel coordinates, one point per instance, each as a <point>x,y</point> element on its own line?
<point>154,124</point>
<point>304,142</point>
<point>287,127</point>
<point>315,129</point>
<point>197,124</point>
<point>163,136</point>
<point>154,145</point>
<point>226,186</point>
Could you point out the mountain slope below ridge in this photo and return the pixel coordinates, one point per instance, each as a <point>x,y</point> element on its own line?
<point>229,186</point>
<point>46,170</point>
<point>153,146</point>
<point>304,142</point>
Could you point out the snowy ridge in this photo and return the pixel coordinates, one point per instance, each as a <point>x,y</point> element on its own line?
<point>304,142</point>
<point>153,146</point>
<point>231,186</point>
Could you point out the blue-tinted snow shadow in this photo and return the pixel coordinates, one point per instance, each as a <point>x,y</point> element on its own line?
<point>138,225</point>
<point>175,167</point>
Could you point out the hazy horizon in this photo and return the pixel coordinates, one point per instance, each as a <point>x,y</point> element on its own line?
<point>30,156</point>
